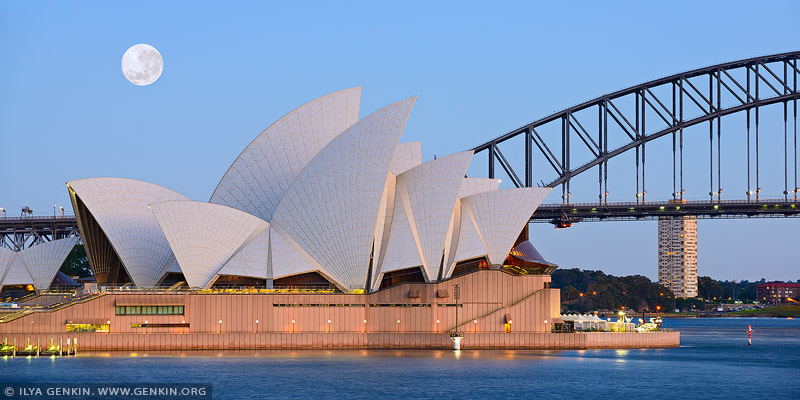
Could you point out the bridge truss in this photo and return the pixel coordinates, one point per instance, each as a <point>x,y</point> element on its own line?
<point>664,107</point>
<point>23,232</point>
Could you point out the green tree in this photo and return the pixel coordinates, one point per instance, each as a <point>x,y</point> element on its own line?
<point>709,289</point>
<point>76,263</point>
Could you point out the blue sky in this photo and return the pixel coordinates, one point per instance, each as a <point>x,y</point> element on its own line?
<point>480,69</point>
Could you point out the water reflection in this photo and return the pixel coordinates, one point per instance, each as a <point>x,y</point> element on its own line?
<point>718,345</point>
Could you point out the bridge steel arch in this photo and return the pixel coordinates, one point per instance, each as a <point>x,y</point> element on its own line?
<point>743,86</point>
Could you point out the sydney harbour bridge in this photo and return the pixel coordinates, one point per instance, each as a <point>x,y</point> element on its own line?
<point>716,124</point>
<point>718,110</point>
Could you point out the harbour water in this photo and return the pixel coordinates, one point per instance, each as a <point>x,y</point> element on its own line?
<point>714,361</point>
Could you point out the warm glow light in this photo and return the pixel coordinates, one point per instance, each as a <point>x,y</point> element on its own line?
<point>183,322</point>
<point>545,321</point>
<point>365,321</point>
<point>398,321</point>
<point>293,321</point>
<point>437,321</point>
<point>329,321</point>
<point>475,321</point>
<point>220,321</point>
<point>145,322</point>
<point>108,322</point>
<point>256,321</point>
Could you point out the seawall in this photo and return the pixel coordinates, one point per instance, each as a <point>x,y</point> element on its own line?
<point>272,341</point>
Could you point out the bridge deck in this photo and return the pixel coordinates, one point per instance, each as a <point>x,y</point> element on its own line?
<point>577,212</point>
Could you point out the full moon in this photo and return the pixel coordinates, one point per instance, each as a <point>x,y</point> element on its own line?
<point>142,64</point>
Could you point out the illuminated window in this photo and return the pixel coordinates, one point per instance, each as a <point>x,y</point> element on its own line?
<point>99,328</point>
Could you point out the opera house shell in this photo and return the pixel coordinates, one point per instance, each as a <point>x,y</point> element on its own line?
<point>320,198</point>
<point>35,266</point>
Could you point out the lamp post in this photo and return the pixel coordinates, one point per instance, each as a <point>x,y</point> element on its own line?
<point>220,327</point>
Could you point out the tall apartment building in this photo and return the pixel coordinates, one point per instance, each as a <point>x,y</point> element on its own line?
<point>677,254</point>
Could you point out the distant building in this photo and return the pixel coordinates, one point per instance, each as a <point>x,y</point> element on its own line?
<point>776,292</point>
<point>677,254</point>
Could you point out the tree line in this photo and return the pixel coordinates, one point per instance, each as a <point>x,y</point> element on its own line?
<point>586,290</point>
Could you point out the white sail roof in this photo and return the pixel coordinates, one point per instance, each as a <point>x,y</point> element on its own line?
<point>6,258</point>
<point>383,225</point>
<point>470,244</point>
<point>251,260</point>
<point>44,260</point>
<point>287,258</point>
<point>500,215</point>
<point>407,156</point>
<point>119,206</point>
<point>17,273</point>
<point>258,179</point>
<point>331,208</point>
<point>204,236</point>
<point>430,191</point>
<point>401,250</point>
<point>470,186</point>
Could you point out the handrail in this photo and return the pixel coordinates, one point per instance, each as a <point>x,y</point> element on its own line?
<point>39,217</point>
<point>676,204</point>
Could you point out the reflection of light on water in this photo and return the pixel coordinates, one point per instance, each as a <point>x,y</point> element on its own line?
<point>622,352</point>
<point>134,354</point>
<point>457,353</point>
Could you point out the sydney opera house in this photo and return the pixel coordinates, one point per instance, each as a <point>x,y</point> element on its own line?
<point>326,231</point>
